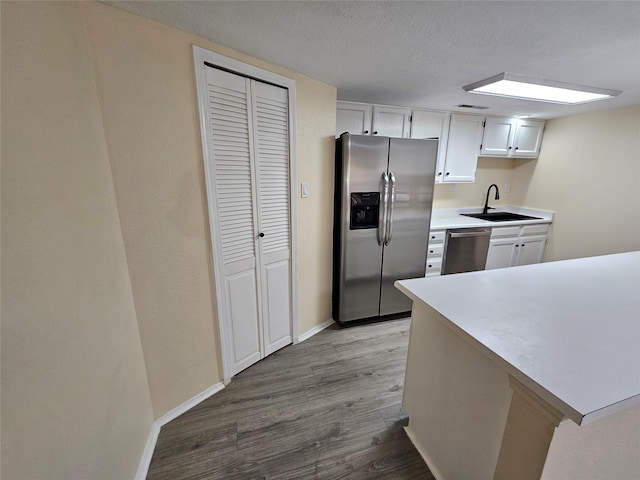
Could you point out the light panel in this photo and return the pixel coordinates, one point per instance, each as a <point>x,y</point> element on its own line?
<point>537,89</point>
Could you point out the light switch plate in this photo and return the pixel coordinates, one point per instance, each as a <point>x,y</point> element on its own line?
<point>304,190</point>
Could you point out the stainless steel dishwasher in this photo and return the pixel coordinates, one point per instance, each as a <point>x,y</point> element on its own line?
<point>465,250</point>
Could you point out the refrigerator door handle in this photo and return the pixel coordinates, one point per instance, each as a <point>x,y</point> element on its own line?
<point>389,229</point>
<point>382,216</point>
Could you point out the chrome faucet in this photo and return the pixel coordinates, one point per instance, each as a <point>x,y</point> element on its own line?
<point>486,202</point>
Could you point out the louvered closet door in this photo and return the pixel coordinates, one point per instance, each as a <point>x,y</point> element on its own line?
<point>231,138</point>
<point>271,134</point>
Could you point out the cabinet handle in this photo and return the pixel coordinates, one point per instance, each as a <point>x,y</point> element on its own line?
<point>509,148</point>
<point>433,237</point>
<point>446,174</point>
<point>375,133</point>
<point>430,251</point>
<point>261,234</point>
<point>517,246</point>
<point>430,266</point>
<point>439,173</point>
<point>516,148</point>
<point>366,132</point>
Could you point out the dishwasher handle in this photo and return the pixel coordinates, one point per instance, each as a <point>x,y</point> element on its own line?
<point>470,232</point>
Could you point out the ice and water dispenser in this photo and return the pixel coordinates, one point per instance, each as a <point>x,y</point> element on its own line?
<point>365,207</point>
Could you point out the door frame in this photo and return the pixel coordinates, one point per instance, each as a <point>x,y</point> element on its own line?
<point>200,56</point>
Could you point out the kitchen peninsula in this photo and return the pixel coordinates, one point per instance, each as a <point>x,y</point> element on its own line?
<point>529,372</point>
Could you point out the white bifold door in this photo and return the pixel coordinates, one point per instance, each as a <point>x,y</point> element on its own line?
<point>248,138</point>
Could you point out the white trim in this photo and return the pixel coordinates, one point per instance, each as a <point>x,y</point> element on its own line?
<point>434,471</point>
<point>145,461</point>
<point>317,329</point>
<point>200,56</point>
<point>152,439</point>
<point>293,196</point>
<point>189,404</point>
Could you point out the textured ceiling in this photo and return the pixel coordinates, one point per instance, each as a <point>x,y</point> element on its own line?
<point>422,53</point>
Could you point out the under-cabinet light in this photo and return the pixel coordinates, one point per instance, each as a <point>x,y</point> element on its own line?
<point>538,89</point>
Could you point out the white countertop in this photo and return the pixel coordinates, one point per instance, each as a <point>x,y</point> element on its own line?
<point>443,218</point>
<point>568,330</point>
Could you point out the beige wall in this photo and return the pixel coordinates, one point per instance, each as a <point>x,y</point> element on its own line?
<point>146,84</point>
<point>75,399</point>
<point>107,264</point>
<point>490,170</point>
<point>588,172</point>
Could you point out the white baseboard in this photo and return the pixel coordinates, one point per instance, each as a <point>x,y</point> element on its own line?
<point>435,472</point>
<point>317,329</point>
<point>145,461</point>
<point>189,404</point>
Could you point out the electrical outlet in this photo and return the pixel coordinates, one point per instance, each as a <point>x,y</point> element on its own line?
<point>453,189</point>
<point>304,193</point>
<point>507,188</point>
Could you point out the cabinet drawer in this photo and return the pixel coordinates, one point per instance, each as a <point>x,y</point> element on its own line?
<point>539,229</point>
<point>433,268</point>
<point>434,251</point>
<point>505,231</point>
<point>436,236</point>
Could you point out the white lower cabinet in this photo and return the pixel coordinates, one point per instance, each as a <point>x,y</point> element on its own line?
<point>434,253</point>
<point>517,245</point>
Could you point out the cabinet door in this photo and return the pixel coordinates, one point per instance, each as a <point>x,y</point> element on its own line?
<point>502,253</point>
<point>463,147</point>
<point>497,137</point>
<point>429,124</point>
<point>354,118</point>
<point>391,121</point>
<point>531,249</point>
<point>527,138</point>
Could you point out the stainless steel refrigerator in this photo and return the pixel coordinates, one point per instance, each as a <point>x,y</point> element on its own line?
<point>382,210</point>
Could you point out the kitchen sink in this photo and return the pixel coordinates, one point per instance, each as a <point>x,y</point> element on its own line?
<point>500,216</point>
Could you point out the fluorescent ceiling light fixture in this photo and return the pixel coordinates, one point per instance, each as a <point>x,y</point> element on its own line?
<point>538,89</point>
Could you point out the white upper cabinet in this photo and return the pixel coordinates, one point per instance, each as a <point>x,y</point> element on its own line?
<point>354,118</point>
<point>462,137</point>
<point>391,121</point>
<point>463,148</point>
<point>430,124</point>
<point>527,138</point>
<point>498,135</point>
<point>511,137</point>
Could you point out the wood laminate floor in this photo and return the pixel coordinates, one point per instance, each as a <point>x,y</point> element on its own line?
<point>327,408</point>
